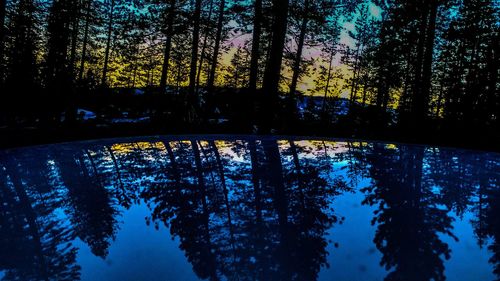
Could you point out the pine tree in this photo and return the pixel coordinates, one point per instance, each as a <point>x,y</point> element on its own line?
<point>355,57</point>
<point>469,64</point>
<point>273,65</point>
<point>218,39</point>
<point>194,53</point>
<point>256,37</point>
<point>168,32</point>
<point>58,74</point>
<point>237,73</point>
<point>3,8</point>
<point>22,73</point>
<point>117,14</point>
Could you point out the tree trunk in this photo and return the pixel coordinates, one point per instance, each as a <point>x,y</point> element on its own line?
<point>168,45</point>
<point>328,77</point>
<point>117,168</point>
<point>85,39</point>
<point>134,76</point>
<point>175,169</point>
<point>220,168</point>
<point>298,171</point>
<point>218,38</point>
<point>492,98</point>
<point>205,211</point>
<point>417,98</point>
<point>352,98</point>
<point>2,36</point>
<point>381,91</point>
<point>256,179</point>
<point>255,53</point>
<point>422,101</point>
<point>204,46</point>
<point>74,38</point>
<point>108,43</point>
<point>178,78</point>
<point>274,177</point>
<point>273,66</point>
<point>194,49</point>
<point>363,101</point>
<point>300,46</point>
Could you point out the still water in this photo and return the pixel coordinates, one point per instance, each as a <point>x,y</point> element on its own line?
<point>244,208</point>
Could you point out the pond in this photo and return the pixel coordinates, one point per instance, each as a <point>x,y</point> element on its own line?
<point>248,208</point>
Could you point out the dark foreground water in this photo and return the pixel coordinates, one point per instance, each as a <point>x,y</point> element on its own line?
<point>248,209</point>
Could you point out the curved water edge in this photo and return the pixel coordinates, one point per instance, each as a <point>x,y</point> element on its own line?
<point>233,137</point>
<point>248,208</point>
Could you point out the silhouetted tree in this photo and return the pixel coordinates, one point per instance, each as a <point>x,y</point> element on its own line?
<point>273,64</point>
<point>169,32</point>
<point>218,39</point>
<point>194,56</point>
<point>469,72</point>
<point>58,74</point>
<point>256,37</point>
<point>22,69</point>
<point>3,7</point>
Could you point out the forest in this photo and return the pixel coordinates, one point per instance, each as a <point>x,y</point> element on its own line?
<point>423,71</point>
<point>251,209</point>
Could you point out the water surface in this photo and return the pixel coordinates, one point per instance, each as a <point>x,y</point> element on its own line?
<point>244,208</point>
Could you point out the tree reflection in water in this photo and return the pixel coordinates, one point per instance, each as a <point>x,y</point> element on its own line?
<point>409,219</point>
<point>250,209</point>
<point>35,241</point>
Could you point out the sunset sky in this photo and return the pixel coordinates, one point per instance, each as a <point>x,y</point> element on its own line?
<point>307,81</point>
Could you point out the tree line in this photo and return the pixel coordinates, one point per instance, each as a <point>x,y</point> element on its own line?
<point>426,59</point>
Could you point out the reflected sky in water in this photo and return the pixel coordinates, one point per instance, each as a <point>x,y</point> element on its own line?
<point>248,209</point>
